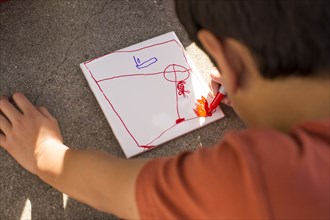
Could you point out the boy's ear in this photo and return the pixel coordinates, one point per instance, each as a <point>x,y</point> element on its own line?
<point>226,58</point>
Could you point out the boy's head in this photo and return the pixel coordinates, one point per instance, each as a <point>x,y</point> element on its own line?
<point>260,46</point>
<point>286,37</point>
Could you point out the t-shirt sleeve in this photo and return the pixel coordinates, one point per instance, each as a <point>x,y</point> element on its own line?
<point>210,183</point>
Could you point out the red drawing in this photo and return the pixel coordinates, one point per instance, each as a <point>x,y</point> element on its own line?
<point>181,89</point>
<point>173,73</point>
<point>179,120</point>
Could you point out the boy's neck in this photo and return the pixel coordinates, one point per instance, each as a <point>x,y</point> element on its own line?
<point>286,102</point>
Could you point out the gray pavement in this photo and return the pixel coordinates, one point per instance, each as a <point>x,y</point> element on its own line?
<point>42,44</point>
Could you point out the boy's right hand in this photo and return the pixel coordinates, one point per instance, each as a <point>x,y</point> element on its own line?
<point>215,82</point>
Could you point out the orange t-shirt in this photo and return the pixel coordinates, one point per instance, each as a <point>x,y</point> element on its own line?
<point>252,174</point>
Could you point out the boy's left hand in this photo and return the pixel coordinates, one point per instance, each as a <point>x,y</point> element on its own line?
<point>26,131</point>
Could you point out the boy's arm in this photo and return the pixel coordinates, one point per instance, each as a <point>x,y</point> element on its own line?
<point>32,136</point>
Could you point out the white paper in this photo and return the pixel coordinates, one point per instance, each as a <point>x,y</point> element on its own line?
<point>144,89</point>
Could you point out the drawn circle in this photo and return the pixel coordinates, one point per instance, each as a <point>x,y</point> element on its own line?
<point>176,73</point>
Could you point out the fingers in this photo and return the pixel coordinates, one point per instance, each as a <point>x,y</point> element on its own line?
<point>8,109</point>
<point>12,113</point>
<point>45,112</point>
<point>215,81</point>
<point>2,140</point>
<point>25,105</point>
<point>5,125</point>
<point>22,102</point>
<point>216,77</point>
<point>214,88</point>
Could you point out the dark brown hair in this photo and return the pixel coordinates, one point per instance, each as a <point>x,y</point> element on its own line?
<point>287,37</point>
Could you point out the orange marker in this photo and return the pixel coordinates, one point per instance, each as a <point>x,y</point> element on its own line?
<point>202,107</point>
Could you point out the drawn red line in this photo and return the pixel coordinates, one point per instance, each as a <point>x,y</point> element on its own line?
<point>147,146</point>
<point>161,134</point>
<point>176,93</point>
<point>189,119</point>
<point>138,74</point>
<point>165,42</point>
<point>122,51</point>
<point>112,106</point>
<point>129,51</point>
<point>179,120</point>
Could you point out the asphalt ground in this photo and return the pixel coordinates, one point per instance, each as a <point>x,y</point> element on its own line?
<point>42,44</point>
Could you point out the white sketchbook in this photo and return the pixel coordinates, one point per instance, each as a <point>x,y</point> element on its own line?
<point>148,92</point>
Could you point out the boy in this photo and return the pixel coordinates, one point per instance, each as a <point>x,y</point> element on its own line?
<point>274,59</point>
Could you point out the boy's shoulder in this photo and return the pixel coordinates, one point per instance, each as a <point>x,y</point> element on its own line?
<point>305,147</point>
<point>254,173</point>
<point>292,168</point>
<point>305,134</point>
<point>304,139</point>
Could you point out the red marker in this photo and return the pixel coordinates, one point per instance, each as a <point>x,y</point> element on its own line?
<point>216,101</point>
